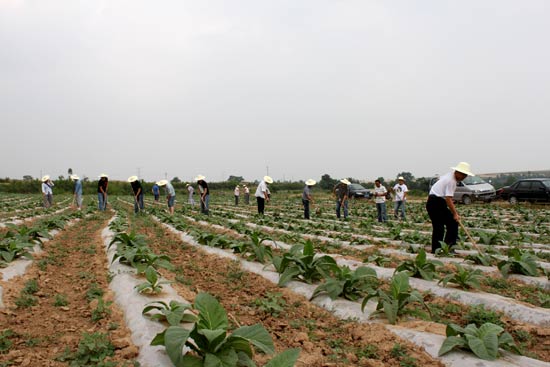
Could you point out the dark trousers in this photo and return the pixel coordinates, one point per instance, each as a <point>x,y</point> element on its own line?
<point>236,200</point>
<point>443,223</point>
<point>306,208</point>
<point>138,203</point>
<point>261,205</point>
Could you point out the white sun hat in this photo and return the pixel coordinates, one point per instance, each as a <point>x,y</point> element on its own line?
<point>401,178</point>
<point>310,182</point>
<point>345,181</point>
<point>199,177</point>
<point>45,178</point>
<point>268,179</point>
<point>162,182</point>
<point>74,177</point>
<point>463,167</point>
<point>132,178</point>
<point>103,175</point>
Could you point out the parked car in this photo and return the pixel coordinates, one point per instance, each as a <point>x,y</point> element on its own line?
<point>472,188</point>
<point>358,191</point>
<point>528,189</point>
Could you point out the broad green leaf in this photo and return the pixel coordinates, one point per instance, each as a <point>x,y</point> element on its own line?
<point>191,361</point>
<point>226,358</point>
<point>175,338</point>
<point>214,337</point>
<point>285,359</point>
<point>391,311</point>
<point>450,343</point>
<point>212,315</point>
<point>288,275</point>
<point>258,336</point>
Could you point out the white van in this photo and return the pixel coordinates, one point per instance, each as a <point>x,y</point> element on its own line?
<point>473,188</point>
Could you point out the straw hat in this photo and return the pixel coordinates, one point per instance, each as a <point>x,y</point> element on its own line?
<point>103,175</point>
<point>74,177</point>
<point>345,181</point>
<point>162,182</point>
<point>310,182</point>
<point>132,178</point>
<point>199,177</point>
<point>463,167</point>
<point>401,178</point>
<point>268,180</point>
<point>45,178</point>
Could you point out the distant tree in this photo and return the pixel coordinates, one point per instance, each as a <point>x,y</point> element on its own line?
<point>381,179</point>
<point>70,171</point>
<point>327,182</point>
<point>27,178</point>
<point>60,177</point>
<point>176,180</point>
<point>235,178</point>
<point>407,176</point>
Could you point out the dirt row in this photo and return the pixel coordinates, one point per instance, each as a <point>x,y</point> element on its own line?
<point>63,300</point>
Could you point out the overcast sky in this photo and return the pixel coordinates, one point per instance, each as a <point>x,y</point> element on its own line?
<point>350,88</point>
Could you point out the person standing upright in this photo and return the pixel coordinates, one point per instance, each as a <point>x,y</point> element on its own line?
<point>102,185</point>
<point>262,194</point>
<point>237,192</point>
<point>441,208</point>
<point>47,192</point>
<point>341,194</point>
<point>77,191</point>
<point>191,192</point>
<point>380,193</point>
<point>307,199</point>
<point>138,193</point>
<point>170,194</point>
<point>246,195</point>
<point>204,194</point>
<point>400,190</point>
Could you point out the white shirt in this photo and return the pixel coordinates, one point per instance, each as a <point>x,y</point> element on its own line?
<point>246,190</point>
<point>400,191</point>
<point>190,189</point>
<point>237,191</point>
<point>380,190</point>
<point>262,187</point>
<point>445,186</point>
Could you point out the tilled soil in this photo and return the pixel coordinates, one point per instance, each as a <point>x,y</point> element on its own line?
<point>324,339</point>
<point>69,273</point>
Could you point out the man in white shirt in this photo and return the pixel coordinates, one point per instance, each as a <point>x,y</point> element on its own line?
<point>191,192</point>
<point>400,190</point>
<point>441,208</point>
<point>237,192</point>
<point>262,194</point>
<point>380,193</point>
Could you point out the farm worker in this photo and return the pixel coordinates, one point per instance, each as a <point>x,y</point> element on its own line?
<point>77,191</point>
<point>102,191</point>
<point>170,194</point>
<point>400,190</point>
<point>380,193</point>
<point>246,195</point>
<point>138,193</point>
<point>441,209</point>
<point>156,192</point>
<point>191,192</point>
<point>237,192</point>
<point>341,193</point>
<point>306,197</point>
<point>204,193</point>
<point>47,192</point>
<point>262,194</point>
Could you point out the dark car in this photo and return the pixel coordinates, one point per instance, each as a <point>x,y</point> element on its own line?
<point>529,189</point>
<point>358,191</point>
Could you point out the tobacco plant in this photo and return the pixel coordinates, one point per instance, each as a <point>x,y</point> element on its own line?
<point>484,341</point>
<point>300,263</point>
<point>393,303</point>
<point>210,344</point>
<point>347,283</point>
<point>464,277</point>
<point>420,267</point>
<point>519,262</point>
<point>173,312</point>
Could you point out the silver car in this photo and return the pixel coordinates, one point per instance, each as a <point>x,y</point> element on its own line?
<point>473,188</point>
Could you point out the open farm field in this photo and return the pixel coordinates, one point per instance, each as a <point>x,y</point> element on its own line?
<point>115,288</point>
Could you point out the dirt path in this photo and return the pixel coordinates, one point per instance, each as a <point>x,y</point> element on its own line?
<point>50,308</point>
<point>249,299</point>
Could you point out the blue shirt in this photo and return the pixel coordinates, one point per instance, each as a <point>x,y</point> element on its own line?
<point>78,187</point>
<point>155,190</point>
